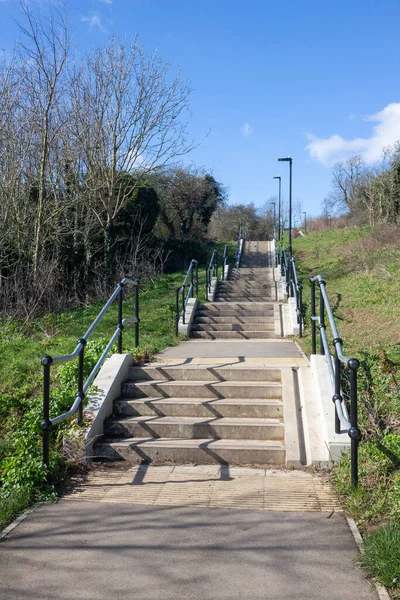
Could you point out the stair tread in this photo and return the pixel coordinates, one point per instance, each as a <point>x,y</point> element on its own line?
<point>234,421</point>
<point>216,383</point>
<point>195,443</point>
<point>177,400</point>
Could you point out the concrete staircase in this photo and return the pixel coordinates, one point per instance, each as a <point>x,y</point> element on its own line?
<point>225,412</point>
<point>243,307</point>
<point>197,414</point>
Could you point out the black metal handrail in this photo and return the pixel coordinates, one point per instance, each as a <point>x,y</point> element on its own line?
<point>211,271</point>
<point>224,262</point>
<point>192,274</point>
<point>239,245</point>
<point>79,353</point>
<point>293,288</point>
<point>341,415</point>
<point>297,294</point>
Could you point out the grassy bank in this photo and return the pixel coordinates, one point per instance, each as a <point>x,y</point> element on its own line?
<point>361,267</point>
<point>21,346</point>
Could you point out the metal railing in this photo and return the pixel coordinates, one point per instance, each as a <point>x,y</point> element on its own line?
<point>182,297</point>
<point>239,246</point>
<point>79,353</point>
<point>297,294</point>
<point>293,288</point>
<point>335,370</point>
<point>224,262</point>
<point>211,271</point>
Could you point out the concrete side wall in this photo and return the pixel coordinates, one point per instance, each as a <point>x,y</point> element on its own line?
<point>211,294</point>
<point>336,443</point>
<point>108,387</point>
<point>184,328</point>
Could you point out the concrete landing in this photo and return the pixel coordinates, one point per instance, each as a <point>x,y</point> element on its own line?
<point>98,551</point>
<point>240,350</point>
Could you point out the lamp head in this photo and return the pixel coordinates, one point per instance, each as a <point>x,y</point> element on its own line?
<point>287,159</point>
<point>277,178</point>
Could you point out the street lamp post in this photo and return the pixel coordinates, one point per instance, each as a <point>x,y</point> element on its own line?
<point>289,160</point>
<point>305,221</point>
<point>279,209</point>
<point>274,221</point>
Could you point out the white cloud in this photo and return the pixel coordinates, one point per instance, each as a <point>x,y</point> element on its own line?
<point>105,1</point>
<point>94,23</point>
<point>385,133</point>
<point>246,130</point>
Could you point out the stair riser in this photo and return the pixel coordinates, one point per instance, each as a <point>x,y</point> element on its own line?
<point>241,306</point>
<point>226,313</point>
<point>197,431</point>
<point>234,320</point>
<point>233,327</point>
<point>202,455</point>
<point>233,335</point>
<point>203,374</point>
<point>148,408</point>
<point>196,390</point>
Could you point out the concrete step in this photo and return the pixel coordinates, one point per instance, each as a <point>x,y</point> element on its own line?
<point>250,285</point>
<point>234,298</point>
<point>233,335</point>
<point>195,428</point>
<point>240,306</point>
<point>197,407</point>
<point>233,326</point>
<point>205,451</point>
<point>235,314</point>
<point>201,389</point>
<point>236,319</point>
<point>203,373</point>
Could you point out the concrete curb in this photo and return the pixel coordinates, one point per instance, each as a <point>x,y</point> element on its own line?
<point>380,589</point>
<point>18,520</point>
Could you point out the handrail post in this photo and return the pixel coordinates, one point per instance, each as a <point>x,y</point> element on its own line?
<point>177,311</point>
<point>337,395</point>
<point>191,280</point>
<point>354,431</point>
<point>197,279</point>
<point>321,317</point>
<point>216,263</point>
<point>313,322</point>
<point>137,316</point>
<point>46,423</point>
<point>80,393</point>
<point>300,300</point>
<point>120,324</point>
<point>183,304</point>
<point>206,283</point>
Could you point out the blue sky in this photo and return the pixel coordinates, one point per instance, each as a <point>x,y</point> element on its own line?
<point>314,80</point>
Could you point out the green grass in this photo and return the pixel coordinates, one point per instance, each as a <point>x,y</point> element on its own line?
<point>361,268</point>
<point>12,504</point>
<point>381,557</point>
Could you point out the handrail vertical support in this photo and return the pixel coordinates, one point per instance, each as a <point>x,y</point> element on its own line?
<point>120,325</point>
<point>321,319</point>
<point>183,304</point>
<point>80,394</point>
<point>313,321</point>
<point>354,431</point>
<point>301,311</point>
<point>46,424</point>
<point>197,279</point>
<point>337,395</point>
<point>137,315</point>
<point>177,311</point>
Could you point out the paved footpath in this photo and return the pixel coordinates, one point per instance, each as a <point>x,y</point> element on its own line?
<point>101,543</point>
